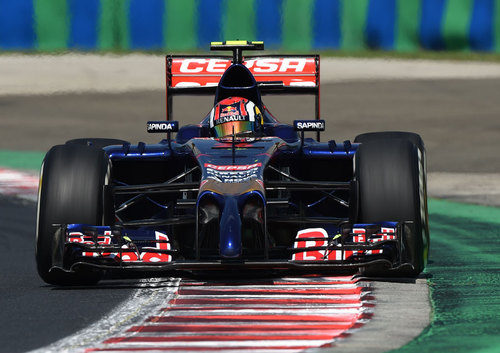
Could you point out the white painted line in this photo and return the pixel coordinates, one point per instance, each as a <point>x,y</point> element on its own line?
<point>151,300</point>
<point>227,350</point>
<point>222,344</point>
<point>276,296</point>
<point>275,332</point>
<point>258,311</point>
<point>271,324</point>
<point>141,303</point>
<point>309,306</point>
<point>301,286</point>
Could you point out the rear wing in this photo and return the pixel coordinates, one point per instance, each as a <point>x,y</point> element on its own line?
<point>283,74</point>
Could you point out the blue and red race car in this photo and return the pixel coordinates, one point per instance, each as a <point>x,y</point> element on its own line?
<point>238,191</point>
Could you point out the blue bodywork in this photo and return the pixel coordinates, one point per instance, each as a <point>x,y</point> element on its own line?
<point>233,201</point>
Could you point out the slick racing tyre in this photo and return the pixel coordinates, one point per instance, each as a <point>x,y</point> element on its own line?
<point>391,135</point>
<point>71,191</point>
<point>391,179</point>
<point>416,140</point>
<point>96,142</point>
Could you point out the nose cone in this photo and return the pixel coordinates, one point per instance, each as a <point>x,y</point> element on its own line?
<point>230,230</point>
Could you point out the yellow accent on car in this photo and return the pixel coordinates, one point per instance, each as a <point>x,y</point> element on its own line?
<point>236,42</point>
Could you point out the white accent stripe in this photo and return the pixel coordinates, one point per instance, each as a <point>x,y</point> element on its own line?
<point>151,301</point>
<point>275,296</point>
<point>217,333</point>
<point>250,107</point>
<point>274,287</point>
<point>224,350</point>
<point>221,344</point>
<point>271,324</point>
<point>257,311</point>
<point>310,306</point>
<point>212,113</point>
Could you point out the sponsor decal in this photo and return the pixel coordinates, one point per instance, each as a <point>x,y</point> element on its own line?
<point>163,126</point>
<point>206,72</point>
<point>147,254</point>
<point>302,241</point>
<point>318,237</point>
<point>264,65</point>
<point>225,119</point>
<point>77,237</point>
<point>231,110</point>
<point>233,167</point>
<point>228,109</point>
<point>309,125</point>
<point>232,173</point>
<point>360,235</point>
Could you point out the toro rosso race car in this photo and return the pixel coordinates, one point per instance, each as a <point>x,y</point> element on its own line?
<point>240,190</point>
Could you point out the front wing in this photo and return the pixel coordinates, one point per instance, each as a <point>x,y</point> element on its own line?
<point>353,246</point>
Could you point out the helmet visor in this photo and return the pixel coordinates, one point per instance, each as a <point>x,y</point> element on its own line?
<point>235,127</point>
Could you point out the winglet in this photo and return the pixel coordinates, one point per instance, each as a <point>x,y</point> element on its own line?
<point>237,47</point>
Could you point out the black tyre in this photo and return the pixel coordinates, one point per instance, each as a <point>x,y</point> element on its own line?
<point>391,179</point>
<point>417,140</point>
<point>96,142</point>
<point>70,191</point>
<point>391,135</point>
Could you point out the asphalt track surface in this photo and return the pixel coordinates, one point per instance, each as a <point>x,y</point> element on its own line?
<point>458,120</point>
<point>33,314</point>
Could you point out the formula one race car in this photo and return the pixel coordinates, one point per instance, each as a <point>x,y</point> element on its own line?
<point>239,191</point>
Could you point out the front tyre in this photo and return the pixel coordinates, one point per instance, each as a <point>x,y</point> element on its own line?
<point>391,179</point>
<point>96,142</point>
<point>70,191</point>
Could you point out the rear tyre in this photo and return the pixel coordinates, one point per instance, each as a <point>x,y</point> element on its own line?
<point>391,179</point>
<point>70,191</point>
<point>96,142</point>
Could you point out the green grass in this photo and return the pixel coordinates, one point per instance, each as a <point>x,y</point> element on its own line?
<point>464,280</point>
<point>464,271</point>
<point>26,160</point>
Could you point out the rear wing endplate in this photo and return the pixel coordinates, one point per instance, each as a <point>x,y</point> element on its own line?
<point>284,74</point>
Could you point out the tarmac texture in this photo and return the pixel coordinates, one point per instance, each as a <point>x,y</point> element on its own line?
<point>458,119</point>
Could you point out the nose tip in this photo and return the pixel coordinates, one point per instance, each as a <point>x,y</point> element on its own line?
<point>230,230</point>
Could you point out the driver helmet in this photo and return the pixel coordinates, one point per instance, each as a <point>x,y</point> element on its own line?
<point>235,115</point>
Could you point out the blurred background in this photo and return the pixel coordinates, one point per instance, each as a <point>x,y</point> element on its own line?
<point>188,25</point>
<point>95,68</point>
